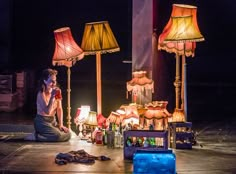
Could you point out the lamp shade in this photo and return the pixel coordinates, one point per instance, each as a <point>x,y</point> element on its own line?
<point>81,114</point>
<point>140,79</point>
<point>141,87</point>
<point>91,119</point>
<point>101,120</point>
<point>66,50</point>
<point>114,117</point>
<point>178,47</point>
<point>98,37</point>
<point>183,30</point>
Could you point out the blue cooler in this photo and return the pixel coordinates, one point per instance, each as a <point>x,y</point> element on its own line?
<point>154,162</point>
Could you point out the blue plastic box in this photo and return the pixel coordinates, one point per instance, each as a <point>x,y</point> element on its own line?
<point>154,162</point>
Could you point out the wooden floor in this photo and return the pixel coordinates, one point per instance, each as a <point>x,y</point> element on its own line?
<point>215,152</point>
<point>19,156</point>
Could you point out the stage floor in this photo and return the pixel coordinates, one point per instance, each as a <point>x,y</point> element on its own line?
<point>215,152</point>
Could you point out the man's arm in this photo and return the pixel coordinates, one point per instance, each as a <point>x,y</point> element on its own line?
<point>60,116</point>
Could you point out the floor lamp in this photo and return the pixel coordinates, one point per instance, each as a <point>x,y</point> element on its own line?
<point>186,49</point>
<point>98,39</point>
<point>66,53</point>
<point>91,121</point>
<point>183,31</point>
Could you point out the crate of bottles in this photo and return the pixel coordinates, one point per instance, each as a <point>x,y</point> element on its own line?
<point>154,161</point>
<point>143,139</point>
<point>180,135</point>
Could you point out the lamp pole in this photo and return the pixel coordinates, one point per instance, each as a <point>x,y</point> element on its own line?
<point>68,99</point>
<point>184,85</point>
<point>177,82</point>
<point>99,83</point>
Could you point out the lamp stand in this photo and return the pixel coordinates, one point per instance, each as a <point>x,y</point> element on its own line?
<point>99,82</point>
<point>184,87</point>
<point>80,134</point>
<point>68,99</point>
<point>91,140</point>
<point>177,82</point>
<point>73,134</point>
<point>185,93</point>
<point>178,112</point>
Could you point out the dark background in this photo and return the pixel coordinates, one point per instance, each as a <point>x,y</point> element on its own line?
<point>27,43</point>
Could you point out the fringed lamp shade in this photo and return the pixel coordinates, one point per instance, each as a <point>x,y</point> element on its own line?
<point>98,37</point>
<point>174,47</point>
<point>66,50</point>
<point>183,30</point>
<point>141,88</point>
<point>114,117</point>
<point>178,47</point>
<point>131,116</point>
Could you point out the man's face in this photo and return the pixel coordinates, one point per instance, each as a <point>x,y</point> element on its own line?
<point>51,82</point>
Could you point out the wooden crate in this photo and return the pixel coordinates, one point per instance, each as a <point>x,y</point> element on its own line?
<point>130,150</point>
<point>9,102</point>
<point>7,83</point>
<point>180,135</point>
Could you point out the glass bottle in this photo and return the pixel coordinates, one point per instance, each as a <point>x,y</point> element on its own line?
<point>104,137</point>
<point>145,142</point>
<point>98,137</point>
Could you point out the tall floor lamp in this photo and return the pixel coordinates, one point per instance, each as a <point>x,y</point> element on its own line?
<point>98,39</point>
<point>66,53</point>
<point>183,30</point>
<point>180,48</point>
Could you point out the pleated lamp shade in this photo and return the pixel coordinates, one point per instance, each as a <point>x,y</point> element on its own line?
<point>91,120</point>
<point>183,30</point>
<point>98,37</point>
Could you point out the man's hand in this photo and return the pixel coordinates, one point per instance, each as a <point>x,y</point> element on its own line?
<point>63,128</point>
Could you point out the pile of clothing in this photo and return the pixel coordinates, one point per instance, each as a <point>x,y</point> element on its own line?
<point>79,156</point>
